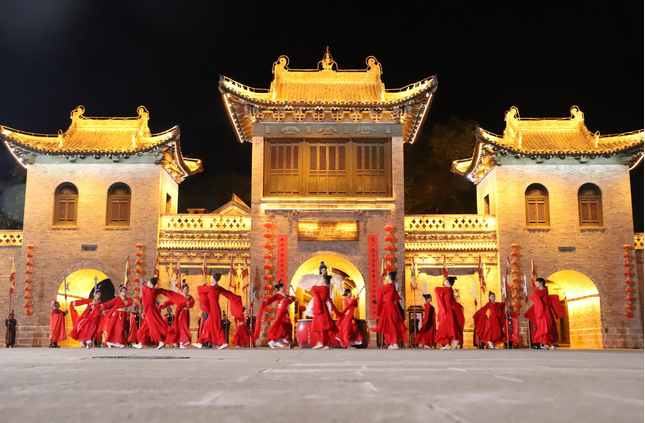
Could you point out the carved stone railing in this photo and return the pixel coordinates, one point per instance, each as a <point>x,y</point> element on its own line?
<point>10,238</point>
<point>204,232</point>
<point>205,222</point>
<point>638,241</point>
<point>449,223</point>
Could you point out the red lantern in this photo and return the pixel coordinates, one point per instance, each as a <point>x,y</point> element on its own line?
<point>388,248</point>
<point>515,296</point>
<point>627,255</point>
<point>268,246</point>
<point>268,309</point>
<point>28,280</point>
<point>629,307</point>
<point>29,272</point>
<point>268,266</point>
<point>627,273</point>
<point>514,263</point>
<point>628,290</point>
<point>267,287</point>
<point>26,305</point>
<point>388,228</point>
<point>627,264</point>
<point>514,253</point>
<point>629,315</point>
<point>27,297</point>
<point>514,246</point>
<point>267,277</point>
<point>515,271</point>
<point>136,297</point>
<point>389,267</point>
<point>516,280</point>
<point>30,247</point>
<point>29,263</point>
<point>389,238</point>
<point>302,308</point>
<point>138,254</point>
<point>29,255</point>
<point>138,262</point>
<point>389,257</point>
<point>267,318</point>
<point>267,256</point>
<point>626,247</point>
<point>268,235</point>
<point>629,298</point>
<point>137,279</point>
<point>27,288</point>
<point>268,225</point>
<point>266,296</point>
<point>29,312</point>
<point>628,282</point>
<point>515,305</point>
<point>138,271</point>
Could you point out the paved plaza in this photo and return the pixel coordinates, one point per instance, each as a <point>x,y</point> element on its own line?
<point>263,385</point>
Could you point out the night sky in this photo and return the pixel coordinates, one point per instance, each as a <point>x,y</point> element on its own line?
<point>114,56</point>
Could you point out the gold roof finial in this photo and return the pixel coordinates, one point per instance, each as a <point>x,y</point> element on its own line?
<point>328,61</point>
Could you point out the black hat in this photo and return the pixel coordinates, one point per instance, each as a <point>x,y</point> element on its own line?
<point>279,285</point>
<point>153,280</point>
<point>122,287</point>
<point>427,296</point>
<point>451,280</point>
<point>322,265</point>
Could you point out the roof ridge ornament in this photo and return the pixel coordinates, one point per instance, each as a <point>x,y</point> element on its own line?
<point>327,61</point>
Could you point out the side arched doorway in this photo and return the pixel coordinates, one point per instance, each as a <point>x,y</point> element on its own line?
<point>80,285</point>
<point>581,326</point>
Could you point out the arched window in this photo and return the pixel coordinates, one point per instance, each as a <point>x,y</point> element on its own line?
<point>65,204</point>
<point>537,206</point>
<point>590,205</point>
<point>118,205</point>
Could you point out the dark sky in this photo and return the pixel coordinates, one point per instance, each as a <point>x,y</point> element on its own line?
<point>113,56</point>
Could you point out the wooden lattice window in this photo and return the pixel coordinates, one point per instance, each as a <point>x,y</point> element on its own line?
<point>372,169</point>
<point>327,173</point>
<point>283,170</point>
<point>65,205</point>
<point>118,205</point>
<point>537,206</point>
<point>590,206</point>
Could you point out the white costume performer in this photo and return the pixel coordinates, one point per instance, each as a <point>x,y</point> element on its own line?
<point>307,282</point>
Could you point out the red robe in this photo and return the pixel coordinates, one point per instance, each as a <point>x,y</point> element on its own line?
<point>278,296</point>
<point>115,328</point>
<point>426,335</point>
<point>154,326</point>
<point>56,326</point>
<point>451,317</point>
<point>134,330</point>
<point>181,323</point>
<point>545,309</point>
<point>490,323</point>
<point>86,325</point>
<point>515,336</point>
<point>390,321</point>
<point>209,302</point>
<point>243,335</point>
<point>323,328</point>
<point>347,327</point>
<point>281,326</point>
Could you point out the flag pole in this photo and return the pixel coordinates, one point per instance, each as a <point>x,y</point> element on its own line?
<point>67,311</point>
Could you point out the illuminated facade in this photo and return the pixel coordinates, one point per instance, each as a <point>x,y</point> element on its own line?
<point>327,162</point>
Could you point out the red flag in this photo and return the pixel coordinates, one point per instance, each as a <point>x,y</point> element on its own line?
<point>247,269</point>
<point>155,270</point>
<point>126,278</point>
<point>444,269</point>
<point>533,275</point>
<point>12,277</point>
<point>480,272</point>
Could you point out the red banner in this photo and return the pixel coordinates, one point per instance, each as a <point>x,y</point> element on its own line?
<point>281,274</point>
<point>372,254</point>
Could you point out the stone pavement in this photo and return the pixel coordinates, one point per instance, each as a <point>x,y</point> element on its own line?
<point>263,385</point>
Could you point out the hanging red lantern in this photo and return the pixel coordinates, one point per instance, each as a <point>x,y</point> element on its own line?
<point>627,264</point>
<point>29,312</point>
<point>389,238</point>
<point>627,255</point>
<point>515,272</point>
<point>628,290</point>
<point>516,280</point>
<point>513,253</point>
<point>388,228</point>
<point>629,298</point>
<point>515,246</point>
<point>30,254</point>
<point>267,287</point>
<point>629,315</point>
<point>628,282</point>
<point>138,263</point>
<point>137,279</point>
<point>267,256</point>
<point>138,245</point>
<point>136,297</point>
<point>268,246</point>
<point>268,266</point>
<point>514,263</point>
<point>137,271</point>
<point>268,309</point>
<point>626,247</point>
<point>27,288</point>
<point>268,225</point>
<point>29,272</point>
<point>28,280</point>
<point>267,318</point>
<point>267,277</point>
<point>389,257</point>
<point>138,254</point>
<point>388,248</point>
<point>26,305</point>
<point>629,307</point>
<point>389,267</point>
<point>29,263</point>
<point>627,273</point>
<point>268,235</point>
<point>266,296</point>
<point>515,305</point>
<point>27,297</point>
<point>30,247</point>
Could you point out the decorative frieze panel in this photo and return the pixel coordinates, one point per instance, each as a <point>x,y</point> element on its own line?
<point>188,222</point>
<point>10,238</point>
<point>449,223</point>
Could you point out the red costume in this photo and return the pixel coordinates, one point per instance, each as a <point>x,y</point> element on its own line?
<point>116,320</point>
<point>243,335</point>
<point>281,328</point>
<point>545,309</point>
<point>426,335</point>
<point>490,323</point>
<point>181,323</point>
<point>451,317</point>
<point>265,303</point>
<point>56,326</point>
<point>323,328</point>
<point>512,329</point>
<point>390,321</point>
<point>134,329</point>
<point>154,326</point>
<point>86,325</point>
<point>347,327</point>
<point>209,302</point>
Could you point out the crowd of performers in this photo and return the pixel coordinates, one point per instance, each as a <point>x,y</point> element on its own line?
<point>494,325</point>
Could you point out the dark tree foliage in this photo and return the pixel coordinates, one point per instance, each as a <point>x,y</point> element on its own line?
<point>430,186</point>
<point>12,199</point>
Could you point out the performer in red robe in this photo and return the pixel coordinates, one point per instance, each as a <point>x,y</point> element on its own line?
<point>280,333</point>
<point>426,335</point>
<point>545,309</point>
<point>183,303</point>
<point>56,325</point>
<point>209,302</point>
<point>348,334</point>
<point>277,296</point>
<point>243,335</point>
<point>115,329</point>
<point>390,321</point>
<point>323,328</point>
<point>512,328</point>
<point>133,327</point>
<point>451,316</point>
<point>154,326</point>
<point>492,319</point>
<point>86,325</point>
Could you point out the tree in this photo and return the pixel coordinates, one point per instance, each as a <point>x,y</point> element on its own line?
<point>430,186</point>
<point>12,199</point>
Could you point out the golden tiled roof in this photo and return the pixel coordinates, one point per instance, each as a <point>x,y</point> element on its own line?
<point>116,136</point>
<point>327,87</point>
<point>546,138</point>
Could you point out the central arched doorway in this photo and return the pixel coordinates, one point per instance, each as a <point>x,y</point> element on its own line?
<point>80,285</point>
<point>581,326</point>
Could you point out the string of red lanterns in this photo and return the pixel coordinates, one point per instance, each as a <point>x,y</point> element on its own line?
<point>515,277</point>
<point>138,272</point>
<point>28,280</point>
<point>268,267</point>
<point>389,248</point>
<point>627,255</point>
